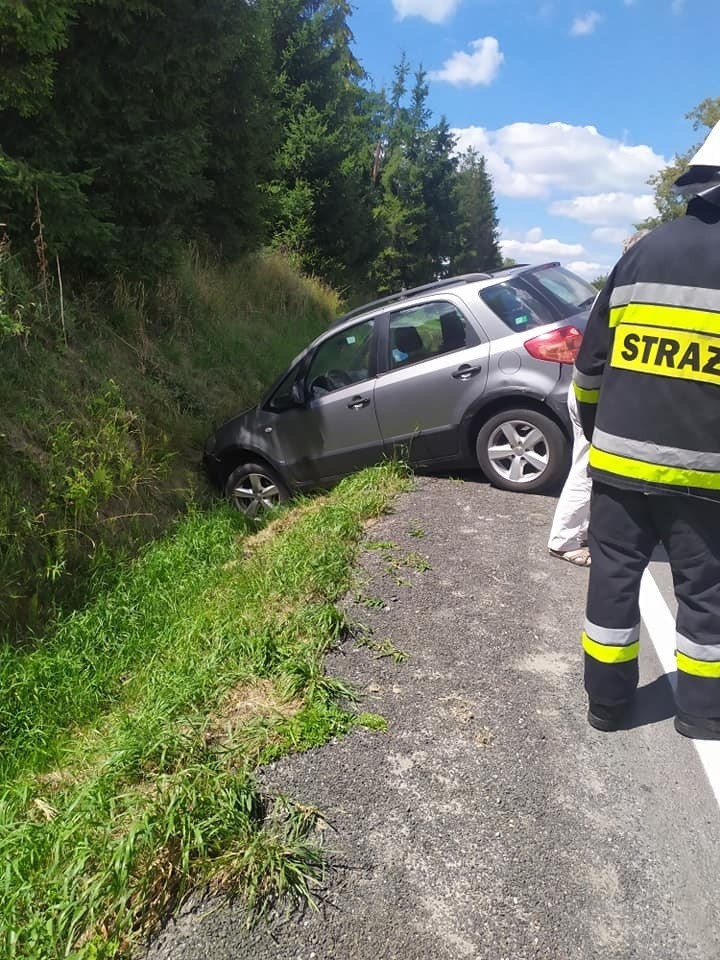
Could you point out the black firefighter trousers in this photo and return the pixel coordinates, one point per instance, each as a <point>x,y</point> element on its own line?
<point>625,527</point>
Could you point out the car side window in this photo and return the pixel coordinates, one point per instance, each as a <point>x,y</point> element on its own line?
<point>515,305</point>
<point>342,359</point>
<point>426,331</point>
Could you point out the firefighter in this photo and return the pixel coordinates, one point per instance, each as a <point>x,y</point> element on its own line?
<point>647,382</point>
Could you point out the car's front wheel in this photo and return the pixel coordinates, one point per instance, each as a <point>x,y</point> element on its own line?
<point>521,450</point>
<point>253,488</point>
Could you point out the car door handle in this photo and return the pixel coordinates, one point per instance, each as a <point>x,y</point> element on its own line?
<point>466,370</point>
<point>357,403</point>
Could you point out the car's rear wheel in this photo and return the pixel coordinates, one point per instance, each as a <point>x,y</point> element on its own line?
<point>521,450</point>
<point>254,488</point>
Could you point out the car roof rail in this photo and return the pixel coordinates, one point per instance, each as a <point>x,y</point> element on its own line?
<point>413,292</point>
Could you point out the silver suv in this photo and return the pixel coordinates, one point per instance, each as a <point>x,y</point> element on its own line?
<point>472,370</point>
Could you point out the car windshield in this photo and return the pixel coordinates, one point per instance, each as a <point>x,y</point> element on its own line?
<point>569,292</point>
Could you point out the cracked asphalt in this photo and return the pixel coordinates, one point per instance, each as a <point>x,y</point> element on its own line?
<point>489,821</point>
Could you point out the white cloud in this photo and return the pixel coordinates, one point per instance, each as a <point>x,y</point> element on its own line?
<point>583,26</point>
<point>606,209</point>
<point>588,268</point>
<point>435,11</point>
<point>535,248</point>
<point>614,236</point>
<point>542,160</point>
<point>470,69</point>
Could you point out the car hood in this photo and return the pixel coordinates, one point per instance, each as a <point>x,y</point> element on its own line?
<point>234,430</point>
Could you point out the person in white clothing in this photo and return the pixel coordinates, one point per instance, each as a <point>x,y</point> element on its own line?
<point>568,533</point>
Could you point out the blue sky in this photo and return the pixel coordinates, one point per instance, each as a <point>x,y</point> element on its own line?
<point>573,104</point>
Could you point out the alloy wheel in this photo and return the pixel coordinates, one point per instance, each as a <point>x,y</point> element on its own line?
<point>253,493</point>
<point>518,451</point>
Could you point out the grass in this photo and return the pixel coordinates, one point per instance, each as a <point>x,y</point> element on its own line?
<point>131,734</point>
<point>101,436</point>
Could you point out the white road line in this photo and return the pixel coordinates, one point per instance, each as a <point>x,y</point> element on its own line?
<point>660,625</point>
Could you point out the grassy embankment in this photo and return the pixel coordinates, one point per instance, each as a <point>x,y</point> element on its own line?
<point>102,422</point>
<point>131,727</point>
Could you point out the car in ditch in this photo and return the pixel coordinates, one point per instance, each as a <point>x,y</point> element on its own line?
<point>464,372</point>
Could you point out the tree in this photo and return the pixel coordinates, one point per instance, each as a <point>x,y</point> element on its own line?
<point>147,122</point>
<point>416,207</point>
<point>321,190</point>
<point>478,246</point>
<point>669,204</point>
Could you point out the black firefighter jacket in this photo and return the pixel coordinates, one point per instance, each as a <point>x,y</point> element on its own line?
<point>647,376</point>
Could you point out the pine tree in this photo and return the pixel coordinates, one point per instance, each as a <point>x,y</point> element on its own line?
<point>322,186</point>
<point>142,131</point>
<point>477,230</point>
<point>416,208</point>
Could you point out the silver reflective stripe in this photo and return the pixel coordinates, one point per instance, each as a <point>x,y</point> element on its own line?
<point>666,295</point>
<point>709,652</point>
<point>585,381</point>
<point>610,637</point>
<point>654,453</point>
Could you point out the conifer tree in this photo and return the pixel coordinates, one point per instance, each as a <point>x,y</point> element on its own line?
<point>322,185</point>
<point>477,240</point>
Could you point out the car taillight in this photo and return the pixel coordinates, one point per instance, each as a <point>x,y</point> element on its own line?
<point>559,346</point>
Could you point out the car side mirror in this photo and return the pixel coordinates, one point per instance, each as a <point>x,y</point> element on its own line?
<point>297,393</point>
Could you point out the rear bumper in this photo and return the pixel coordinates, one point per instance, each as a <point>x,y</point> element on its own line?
<point>557,399</point>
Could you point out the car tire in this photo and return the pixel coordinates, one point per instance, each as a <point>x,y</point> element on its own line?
<point>522,450</point>
<point>254,488</point>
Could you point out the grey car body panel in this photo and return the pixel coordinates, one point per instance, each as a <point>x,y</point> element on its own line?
<point>424,407</point>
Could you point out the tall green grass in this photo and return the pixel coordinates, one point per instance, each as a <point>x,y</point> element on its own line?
<point>131,733</point>
<point>101,436</point>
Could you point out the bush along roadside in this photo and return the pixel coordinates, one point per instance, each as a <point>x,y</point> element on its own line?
<point>130,735</point>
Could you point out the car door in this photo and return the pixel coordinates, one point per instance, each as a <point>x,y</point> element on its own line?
<point>335,431</point>
<point>433,365</point>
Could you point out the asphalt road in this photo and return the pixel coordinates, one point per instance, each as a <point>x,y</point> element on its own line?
<point>489,822</point>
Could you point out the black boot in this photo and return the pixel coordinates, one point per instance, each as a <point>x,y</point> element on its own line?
<point>606,718</point>
<point>697,728</point>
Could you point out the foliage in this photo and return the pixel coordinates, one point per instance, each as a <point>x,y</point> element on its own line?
<point>129,128</point>
<point>669,205</point>
<point>92,465</point>
<point>119,146</point>
<point>321,191</point>
<point>477,233</point>
<point>416,207</point>
<point>130,735</point>
<point>12,307</point>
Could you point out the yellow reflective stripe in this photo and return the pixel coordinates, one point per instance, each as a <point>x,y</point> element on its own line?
<point>698,668</point>
<point>667,353</point>
<point>608,654</point>
<point>653,472</point>
<point>679,318</point>
<point>585,396</point>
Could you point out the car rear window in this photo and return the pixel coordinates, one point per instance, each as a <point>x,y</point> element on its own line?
<point>569,291</point>
<point>516,305</point>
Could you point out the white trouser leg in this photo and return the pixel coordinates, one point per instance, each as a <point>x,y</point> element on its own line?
<point>570,523</point>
